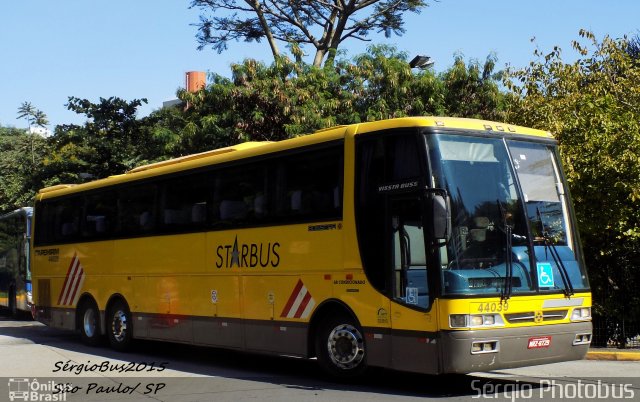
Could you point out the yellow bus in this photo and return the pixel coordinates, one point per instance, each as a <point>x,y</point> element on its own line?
<point>423,244</point>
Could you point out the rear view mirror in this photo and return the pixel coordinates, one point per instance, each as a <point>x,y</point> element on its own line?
<point>440,216</point>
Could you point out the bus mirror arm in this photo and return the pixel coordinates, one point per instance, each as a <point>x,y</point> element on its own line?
<point>438,202</point>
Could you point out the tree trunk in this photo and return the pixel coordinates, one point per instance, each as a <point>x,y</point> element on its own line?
<point>267,31</point>
<point>317,60</point>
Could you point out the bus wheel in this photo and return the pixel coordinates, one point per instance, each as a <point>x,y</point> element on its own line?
<point>340,347</point>
<point>89,323</point>
<point>119,326</point>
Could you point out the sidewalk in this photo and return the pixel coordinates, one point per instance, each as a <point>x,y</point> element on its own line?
<point>614,354</point>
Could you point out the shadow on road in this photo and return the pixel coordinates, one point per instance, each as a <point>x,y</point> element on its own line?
<point>286,372</point>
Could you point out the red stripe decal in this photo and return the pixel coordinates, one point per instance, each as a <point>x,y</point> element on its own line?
<point>72,283</point>
<point>66,279</point>
<point>75,289</point>
<point>303,305</point>
<point>292,298</point>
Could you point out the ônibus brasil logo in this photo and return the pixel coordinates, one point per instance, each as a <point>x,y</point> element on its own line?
<point>24,389</point>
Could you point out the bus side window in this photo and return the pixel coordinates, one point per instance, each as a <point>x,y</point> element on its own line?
<point>309,186</point>
<point>241,195</point>
<point>184,202</point>
<point>99,216</point>
<point>66,219</point>
<point>136,207</point>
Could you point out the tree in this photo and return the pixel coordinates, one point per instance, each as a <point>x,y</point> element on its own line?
<point>593,107</point>
<point>384,86</point>
<point>110,142</point>
<point>471,89</point>
<point>321,24</point>
<point>21,156</point>
<point>289,98</point>
<point>34,117</point>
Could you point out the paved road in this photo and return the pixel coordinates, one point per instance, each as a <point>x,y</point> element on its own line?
<point>35,357</point>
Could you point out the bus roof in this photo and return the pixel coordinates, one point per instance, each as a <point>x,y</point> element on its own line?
<point>458,123</point>
<point>25,211</point>
<point>249,149</point>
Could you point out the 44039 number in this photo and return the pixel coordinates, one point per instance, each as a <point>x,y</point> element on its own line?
<point>493,307</point>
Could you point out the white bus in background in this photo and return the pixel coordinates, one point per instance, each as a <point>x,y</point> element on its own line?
<point>15,267</point>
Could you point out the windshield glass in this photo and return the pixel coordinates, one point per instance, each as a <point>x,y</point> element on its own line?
<point>547,213</point>
<point>490,248</point>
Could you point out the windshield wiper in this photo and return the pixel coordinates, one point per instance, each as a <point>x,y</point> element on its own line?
<point>508,278</point>
<point>548,245</point>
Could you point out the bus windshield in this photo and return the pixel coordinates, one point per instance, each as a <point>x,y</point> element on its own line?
<point>495,224</point>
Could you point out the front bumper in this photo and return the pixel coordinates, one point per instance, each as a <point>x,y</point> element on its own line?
<point>512,347</point>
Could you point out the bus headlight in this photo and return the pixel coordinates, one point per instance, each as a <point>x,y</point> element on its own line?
<point>581,314</point>
<point>458,320</point>
<point>475,321</point>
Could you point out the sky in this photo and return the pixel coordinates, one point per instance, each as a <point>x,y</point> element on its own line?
<point>51,50</point>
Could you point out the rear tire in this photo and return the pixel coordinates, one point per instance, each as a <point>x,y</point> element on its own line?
<point>119,326</point>
<point>89,323</point>
<point>340,347</point>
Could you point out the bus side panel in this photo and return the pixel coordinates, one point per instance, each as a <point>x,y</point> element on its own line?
<point>162,296</point>
<point>415,339</point>
<point>372,312</point>
<point>95,261</point>
<point>274,267</point>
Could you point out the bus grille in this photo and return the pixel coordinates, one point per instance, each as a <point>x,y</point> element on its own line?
<point>530,316</point>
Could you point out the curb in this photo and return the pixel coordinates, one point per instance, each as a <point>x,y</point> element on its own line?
<point>613,355</point>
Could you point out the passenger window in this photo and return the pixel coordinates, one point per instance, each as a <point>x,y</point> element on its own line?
<point>184,202</point>
<point>136,206</point>
<point>66,219</point>
<point>241,195</point>
<point>100,215</point>
<point>309,186</point>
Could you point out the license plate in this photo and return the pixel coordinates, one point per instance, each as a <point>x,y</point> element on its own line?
<point>539,342</point>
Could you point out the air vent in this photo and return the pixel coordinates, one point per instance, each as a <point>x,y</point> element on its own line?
<point>530,316</point>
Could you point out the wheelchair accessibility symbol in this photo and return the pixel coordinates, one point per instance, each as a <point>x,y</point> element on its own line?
<point>545,275</point>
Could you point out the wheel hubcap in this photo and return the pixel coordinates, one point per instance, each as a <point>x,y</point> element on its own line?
<point>89,323</point>
<point>346,346</point>
<point>119,325</point>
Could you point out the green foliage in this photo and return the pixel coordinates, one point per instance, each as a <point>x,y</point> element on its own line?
<point>288,98</point>
<point>21,155</point>
<point>110,142</point>
<point>385,87</point>
<point>593,107</point>
<point>34,117</point>
<point>471,89</point>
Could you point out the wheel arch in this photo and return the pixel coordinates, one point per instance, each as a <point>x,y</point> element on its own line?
<point>325,309</point>
<point>87,297</point>
<point>115,297</point>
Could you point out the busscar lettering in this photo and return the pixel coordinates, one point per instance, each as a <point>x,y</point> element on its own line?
<point>48,252</point>
<point>248,255</point>
<point>398,186</point>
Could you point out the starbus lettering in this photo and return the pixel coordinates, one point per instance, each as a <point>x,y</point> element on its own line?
<point>249,255</point>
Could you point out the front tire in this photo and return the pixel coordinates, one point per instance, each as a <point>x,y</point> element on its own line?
<point>340,347</point>
<point>89,323</point>
<point>119,326</point>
